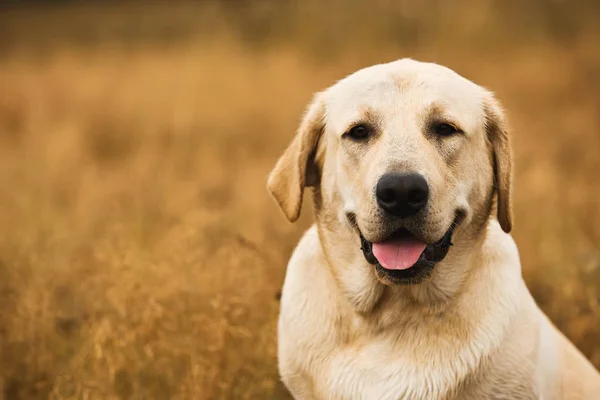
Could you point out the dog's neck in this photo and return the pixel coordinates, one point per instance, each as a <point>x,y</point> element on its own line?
<point>356,278</point>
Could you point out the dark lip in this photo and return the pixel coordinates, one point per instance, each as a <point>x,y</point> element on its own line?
<point>433,253</point>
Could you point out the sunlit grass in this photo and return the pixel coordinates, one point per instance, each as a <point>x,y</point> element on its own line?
<point>140,255</point>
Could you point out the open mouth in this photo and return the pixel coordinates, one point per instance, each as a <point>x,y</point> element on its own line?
<point>403,258</point>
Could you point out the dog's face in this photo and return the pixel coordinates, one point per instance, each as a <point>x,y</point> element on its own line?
<point>403,153</point>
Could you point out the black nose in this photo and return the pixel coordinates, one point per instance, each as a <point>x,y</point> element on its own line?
<point>402,194</point>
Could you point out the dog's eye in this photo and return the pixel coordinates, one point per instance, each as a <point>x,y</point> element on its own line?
<point>358,132</point>
<point>444,129</point>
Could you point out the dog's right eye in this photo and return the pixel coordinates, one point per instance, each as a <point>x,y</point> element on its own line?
<point>358,132</point>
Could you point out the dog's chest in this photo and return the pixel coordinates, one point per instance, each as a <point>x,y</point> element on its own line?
<point>374,372</point>
<point>376,367</point>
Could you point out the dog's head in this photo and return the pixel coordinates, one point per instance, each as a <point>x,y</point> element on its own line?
<point>403,153</point>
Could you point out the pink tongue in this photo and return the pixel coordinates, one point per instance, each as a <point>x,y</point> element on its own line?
<point>398,253</point>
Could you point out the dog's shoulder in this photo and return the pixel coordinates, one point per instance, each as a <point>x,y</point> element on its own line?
<point>306,289</point>
<point>306,258</point>
<point>306,327</point>
<point>578,378</point>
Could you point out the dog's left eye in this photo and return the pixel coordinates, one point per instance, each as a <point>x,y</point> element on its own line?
<point>445,129</point>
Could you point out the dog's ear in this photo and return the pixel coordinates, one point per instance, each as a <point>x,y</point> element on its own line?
<point>502,158</point>
<point>296,168</point>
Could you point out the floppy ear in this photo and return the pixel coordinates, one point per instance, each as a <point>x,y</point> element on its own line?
<point>296,168</point>
<point>502,159</point>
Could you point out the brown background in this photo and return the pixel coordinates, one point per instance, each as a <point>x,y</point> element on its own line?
<point>140,255</point>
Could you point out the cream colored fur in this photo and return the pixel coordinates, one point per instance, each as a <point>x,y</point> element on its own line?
<point>472,329</point>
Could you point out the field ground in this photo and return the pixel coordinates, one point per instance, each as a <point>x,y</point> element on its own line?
<point>140,255</point>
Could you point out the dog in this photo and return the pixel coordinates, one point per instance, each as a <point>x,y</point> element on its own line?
<point>408,285</point>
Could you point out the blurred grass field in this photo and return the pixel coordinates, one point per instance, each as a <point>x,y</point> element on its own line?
<point>140,255</point>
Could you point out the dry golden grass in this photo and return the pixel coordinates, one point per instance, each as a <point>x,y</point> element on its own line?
<point>140,255</point>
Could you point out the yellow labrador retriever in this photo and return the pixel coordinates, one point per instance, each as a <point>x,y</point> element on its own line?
<point>407,286</point>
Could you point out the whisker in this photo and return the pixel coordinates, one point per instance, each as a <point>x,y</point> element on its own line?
<point>352,218</point>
